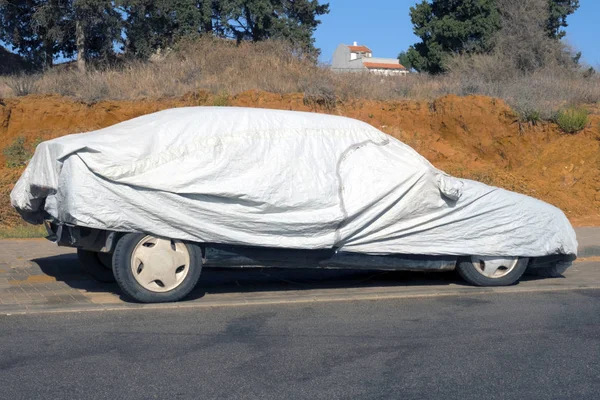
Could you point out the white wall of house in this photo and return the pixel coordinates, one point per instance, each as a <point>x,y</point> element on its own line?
<point>344,60</point>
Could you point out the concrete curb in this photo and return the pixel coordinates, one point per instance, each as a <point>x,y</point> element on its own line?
<point>589,242</point>
<point>583,275</point>
<point>383,295</point>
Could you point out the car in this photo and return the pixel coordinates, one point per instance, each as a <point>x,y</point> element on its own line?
<point>148,202</point>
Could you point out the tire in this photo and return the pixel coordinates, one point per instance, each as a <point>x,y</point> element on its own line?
<point>155,270</point>
<point>98,265</point>
<point>555,270</point>
<point>508,271</point>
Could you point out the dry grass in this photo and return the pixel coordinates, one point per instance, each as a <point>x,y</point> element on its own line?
<point>225,69</point>
<point>23,232</point>
<point>22,84</point>
<point>537,95</point>
<point>211,64</point>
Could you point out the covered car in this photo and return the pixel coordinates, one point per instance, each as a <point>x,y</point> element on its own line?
<point>272,179</point>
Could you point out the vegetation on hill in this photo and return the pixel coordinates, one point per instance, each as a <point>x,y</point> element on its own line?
<point>480,27</point>
<point>225,68</point>
<point>446,27</point>
<point>507,49</point>
<point>501,48</point>
<point>104,30</point>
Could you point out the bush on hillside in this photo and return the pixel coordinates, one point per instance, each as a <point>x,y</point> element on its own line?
<point>22,84</point>
<point>320,93</point>
<point>17,154</point>
<point>572,119</point>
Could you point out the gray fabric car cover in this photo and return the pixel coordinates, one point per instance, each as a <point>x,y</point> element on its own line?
<point>280,179</point>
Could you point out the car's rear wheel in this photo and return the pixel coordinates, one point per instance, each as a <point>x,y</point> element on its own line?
<point>97,265</point>
<point>150,269</point>
<point>492,271</point>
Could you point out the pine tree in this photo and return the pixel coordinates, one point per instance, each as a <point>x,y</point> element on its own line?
<point>450,26</point>
<point>34,28</point>
<point>257,20</point>
<point>404,60</point>
<point>40,30</point>
<point>559,11</point>
<point>95,29</point>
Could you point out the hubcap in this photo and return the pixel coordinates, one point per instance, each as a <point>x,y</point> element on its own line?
<point>494,267</point>
<point>160,265</point>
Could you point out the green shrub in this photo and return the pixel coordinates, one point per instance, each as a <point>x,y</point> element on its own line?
<point>221,100</point>
<point>572,119</point>
<point>17,154</point>
<point>531,116</point>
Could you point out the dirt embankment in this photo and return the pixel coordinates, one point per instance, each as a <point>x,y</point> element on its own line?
<point>473,137</point>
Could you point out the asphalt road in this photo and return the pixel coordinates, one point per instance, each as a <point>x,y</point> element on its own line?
<point>490,346</point>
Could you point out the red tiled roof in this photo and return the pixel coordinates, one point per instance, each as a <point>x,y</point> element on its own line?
<point>383,65</point>
<point>360,49</point>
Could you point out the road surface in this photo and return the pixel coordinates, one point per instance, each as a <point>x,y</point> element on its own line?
<point>491,346</point>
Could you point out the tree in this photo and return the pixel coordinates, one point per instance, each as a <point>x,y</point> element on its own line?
<point>293,20</point>
<point>404,60</point>
<point>95,28</point>
<point>157,24</point>
<point>449,26</point>
<point>523,44</point>
<point>559,10</point>
<point>42,29</point>
<point>34,28</point>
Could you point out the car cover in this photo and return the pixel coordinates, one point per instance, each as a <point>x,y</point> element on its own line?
<point>256,177</point>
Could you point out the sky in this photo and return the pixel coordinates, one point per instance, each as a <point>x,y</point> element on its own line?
<point>384,26</point>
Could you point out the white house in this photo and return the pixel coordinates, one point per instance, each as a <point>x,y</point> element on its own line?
<point>355,58</point>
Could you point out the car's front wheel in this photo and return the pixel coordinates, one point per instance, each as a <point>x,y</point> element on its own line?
<point>155,270</point>
<point>492,271</point>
